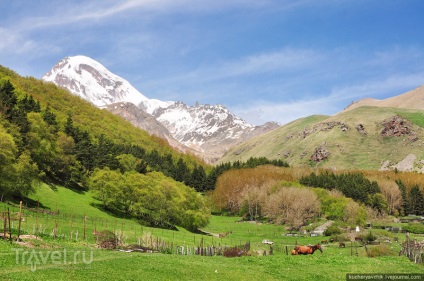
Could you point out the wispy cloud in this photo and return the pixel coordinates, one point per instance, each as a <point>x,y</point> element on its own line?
<point>376,88</point>
<point>283,112</point>
<point>287,59</point>
<point>260,112</point>
<point>85,11</point>
<point>15,43</point>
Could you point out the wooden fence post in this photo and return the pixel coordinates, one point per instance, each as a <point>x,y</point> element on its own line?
<point>5,226</point>
<point>70,231</point>
<point>20,218</point>
<point>55,229</point>
<point>85,219</point>
<point>36,220</point>
<point>122,231</point>
<point>10,228</point>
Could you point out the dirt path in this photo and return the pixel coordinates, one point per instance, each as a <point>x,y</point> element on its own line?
<point>323,226</point>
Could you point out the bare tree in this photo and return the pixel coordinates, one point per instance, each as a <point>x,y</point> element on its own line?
<point>392,194</point>
<point>293,206</point>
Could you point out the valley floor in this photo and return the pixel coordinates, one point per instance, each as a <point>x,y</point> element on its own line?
<point>112,265</point>
<point>70,257</point>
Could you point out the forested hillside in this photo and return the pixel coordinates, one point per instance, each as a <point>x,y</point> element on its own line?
<point>55,125</point>
<point>49,135</point>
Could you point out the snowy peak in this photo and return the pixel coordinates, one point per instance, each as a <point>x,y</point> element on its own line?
<point>198,123</point>
<point>209,130</point>
<point>90,80</point>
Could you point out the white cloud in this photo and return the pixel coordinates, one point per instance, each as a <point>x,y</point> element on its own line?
<point>13,42</point>
<point>287,59</point>
<point>379,88</point>
<point>84,11</point>
<point>259,112</point>
<point>8,39</point>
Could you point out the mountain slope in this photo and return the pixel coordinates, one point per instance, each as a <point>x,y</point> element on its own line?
<point>145,121</point>
<point>90,80</point>
<point>413,100</point>
<point>211,130</point>
<point>364,137</point>
<point>208,130</point>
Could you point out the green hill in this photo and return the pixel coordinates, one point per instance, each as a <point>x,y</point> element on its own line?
<point>352,139</point>
<point>48,135</point>
<point>92,127</point>
<point>85,115</point>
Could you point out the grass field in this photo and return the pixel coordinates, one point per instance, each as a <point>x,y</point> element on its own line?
<point>84,261</point>
<point>349,149</point>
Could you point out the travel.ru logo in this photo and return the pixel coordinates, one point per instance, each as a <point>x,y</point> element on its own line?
<point>35,258</point>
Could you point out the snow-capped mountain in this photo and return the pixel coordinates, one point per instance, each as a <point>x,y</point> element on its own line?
<point>208,130</point>
<point>90,80</point>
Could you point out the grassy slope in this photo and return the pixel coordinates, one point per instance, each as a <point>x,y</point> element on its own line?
<point>333,264</point>
<point>87,117</point>
<point>349,150</point>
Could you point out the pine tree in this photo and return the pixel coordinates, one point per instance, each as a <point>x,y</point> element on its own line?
<point>28,104</point>
<point>8,99</point>
<point>69,126</point>
<point>416,200</point>
<point>198,178</point>
<point>182,172</point>
<point>405,209</point>
<point>50,118</point>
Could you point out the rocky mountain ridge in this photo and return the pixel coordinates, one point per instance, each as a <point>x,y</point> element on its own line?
<point>206,130</point>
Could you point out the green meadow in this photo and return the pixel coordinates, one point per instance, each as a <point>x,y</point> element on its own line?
<point>69,256</point>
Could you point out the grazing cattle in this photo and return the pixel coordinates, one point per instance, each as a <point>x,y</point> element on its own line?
<point>324,242</point>
<point>342,245</point>
<point>307,250</point>
<point>293,252</point>
<point>331,240</point>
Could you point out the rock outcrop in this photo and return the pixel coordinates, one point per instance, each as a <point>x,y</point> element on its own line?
<point>320,154</point>
<point>397,126</point>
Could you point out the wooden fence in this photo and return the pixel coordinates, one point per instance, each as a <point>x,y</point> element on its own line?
<point>413,249</point>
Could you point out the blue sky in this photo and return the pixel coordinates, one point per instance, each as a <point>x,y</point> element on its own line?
<point>266,60</point>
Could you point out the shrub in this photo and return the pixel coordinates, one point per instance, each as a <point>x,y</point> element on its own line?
<point>340,238</point>
<point>235,252</point>
<point>332,230</point>
<point>414,228</point>
<point>378,251</point>
<point>106,239</point>
<point>369,237</point>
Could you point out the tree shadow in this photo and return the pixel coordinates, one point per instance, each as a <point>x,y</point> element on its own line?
<point>75,187</point>
<point>112,212</point>
<point>29,203</point>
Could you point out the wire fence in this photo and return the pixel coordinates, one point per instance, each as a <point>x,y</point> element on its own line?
<point>38,223</point>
